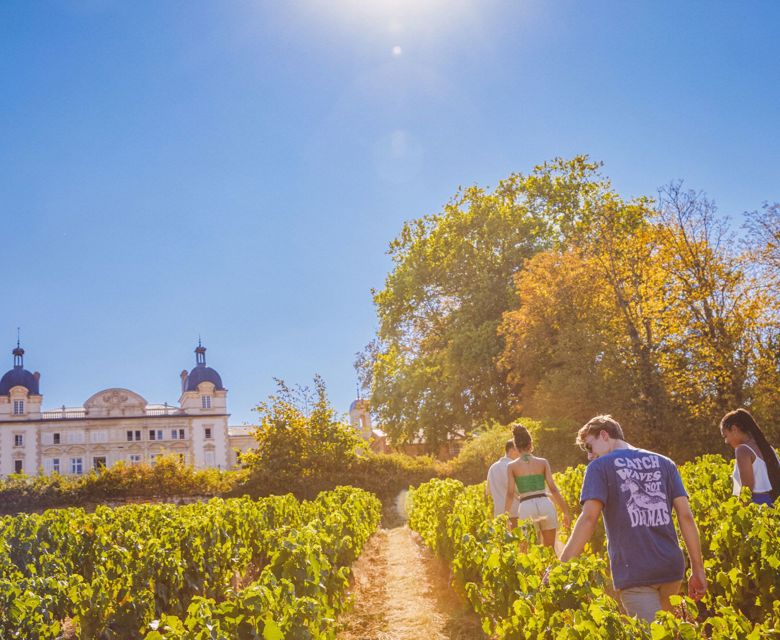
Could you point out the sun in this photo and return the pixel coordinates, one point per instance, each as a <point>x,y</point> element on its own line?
<point>396,21</point>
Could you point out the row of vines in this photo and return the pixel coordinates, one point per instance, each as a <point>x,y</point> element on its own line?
<point>502,572</point>
<point>272,568</point>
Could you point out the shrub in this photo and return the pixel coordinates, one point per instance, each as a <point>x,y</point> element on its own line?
<point>166,478</point>
<point>552,441</point>
<point>298,451</point>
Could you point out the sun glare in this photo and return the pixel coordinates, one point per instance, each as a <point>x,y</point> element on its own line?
<point>425,20</point>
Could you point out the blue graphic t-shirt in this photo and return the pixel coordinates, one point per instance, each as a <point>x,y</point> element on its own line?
<point>637,488</point>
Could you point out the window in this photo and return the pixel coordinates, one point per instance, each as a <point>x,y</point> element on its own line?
<point>138,435</point>
<point>177,434</point>
<point>98,436</point>
<point>55,438</point>
<point>205,402</point>
<point>129,436</point>
<point>55,465</point>
<point>207,433</point>
<point>77,466</point>
<point>18,440</point>
<point>155,434</point>
<point>18,407</point>
<point>152,434</point>
<point>154,457</point>
<point>208,458</point>
<point>99,462</point>
<point>74,437</point>
<point>135,458</point>
<point>18,466</point>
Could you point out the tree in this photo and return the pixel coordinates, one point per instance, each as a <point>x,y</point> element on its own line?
<point>764,243</point>
<point>763,250</point>
<point>648,312</point>
<point>298,451</point>
<point>622,244</point>
<point>564,343</point>
<point>714,310</point>
<point>434,368</point>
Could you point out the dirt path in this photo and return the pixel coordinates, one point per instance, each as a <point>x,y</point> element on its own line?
<point>401,592</point>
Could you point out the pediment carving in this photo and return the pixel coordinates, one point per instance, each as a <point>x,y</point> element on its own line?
<point>115,402</point>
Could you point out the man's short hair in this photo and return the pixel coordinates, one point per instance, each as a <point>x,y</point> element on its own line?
<point>598,424</point>
<point>510,444</point>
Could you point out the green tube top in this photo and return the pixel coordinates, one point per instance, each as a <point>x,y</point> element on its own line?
<point>532,482</point>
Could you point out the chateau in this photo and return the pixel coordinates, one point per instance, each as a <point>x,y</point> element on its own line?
<point>115,424</point>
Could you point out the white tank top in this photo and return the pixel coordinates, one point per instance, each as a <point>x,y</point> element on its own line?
<point>761,482</point>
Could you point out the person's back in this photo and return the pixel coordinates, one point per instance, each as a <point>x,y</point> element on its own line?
<point>528,480</point>
<point>497,481</point>
<point>528,473</point>
<point>637,488</point>
<point>636,491</point>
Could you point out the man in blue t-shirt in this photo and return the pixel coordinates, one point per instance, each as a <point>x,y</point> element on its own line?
<point>636,490</point>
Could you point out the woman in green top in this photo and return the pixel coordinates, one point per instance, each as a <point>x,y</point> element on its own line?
<point>529,479</point>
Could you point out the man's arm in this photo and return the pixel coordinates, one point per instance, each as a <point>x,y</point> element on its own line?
<point>583,529</point>
<point>697,583</point>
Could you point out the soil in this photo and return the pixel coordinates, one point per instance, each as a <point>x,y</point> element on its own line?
<point>401,591</point>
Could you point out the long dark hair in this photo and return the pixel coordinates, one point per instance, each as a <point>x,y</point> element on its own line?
<point>746,423</point>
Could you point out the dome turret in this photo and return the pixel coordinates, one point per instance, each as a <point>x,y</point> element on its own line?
<point>201,373</point>
<point>19,376</point>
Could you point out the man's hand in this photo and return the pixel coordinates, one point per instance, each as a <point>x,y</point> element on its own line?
<point>583,529</point>
<point>546,577</point>
<point>697,584</point>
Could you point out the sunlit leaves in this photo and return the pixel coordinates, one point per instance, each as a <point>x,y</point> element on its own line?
<point>501,572</point>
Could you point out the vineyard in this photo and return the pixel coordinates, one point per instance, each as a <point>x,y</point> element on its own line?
<point>501,572</point>
<point>272,568</point>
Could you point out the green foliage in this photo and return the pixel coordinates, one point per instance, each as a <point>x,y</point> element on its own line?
<point>160,571</point>
<point>168,477</point>
<point>475,457</point>
<point>554,297</point>
<point>551,440</point>
<point>501,572</point>
<point>387,474</point>
<point>298,450</point>
<point>304,452</point>
<point>434,365</point>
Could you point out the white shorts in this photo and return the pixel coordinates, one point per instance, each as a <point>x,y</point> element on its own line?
<point>541,510</point>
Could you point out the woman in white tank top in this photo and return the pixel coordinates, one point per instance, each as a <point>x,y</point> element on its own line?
<point>757,466</point>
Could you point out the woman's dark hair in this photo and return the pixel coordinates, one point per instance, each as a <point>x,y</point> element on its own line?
<point>742,420</point>
<point>521,437</point>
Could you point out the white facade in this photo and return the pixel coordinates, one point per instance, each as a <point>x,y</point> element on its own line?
<point>114,424</point>
<point>360,420</point>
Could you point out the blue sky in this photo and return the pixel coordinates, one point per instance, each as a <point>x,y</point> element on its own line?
<point>237,169</point>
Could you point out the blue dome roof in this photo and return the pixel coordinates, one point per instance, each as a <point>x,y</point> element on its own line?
<point>19,377</point>
<point>202,373</point>
<point>358,403</point>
